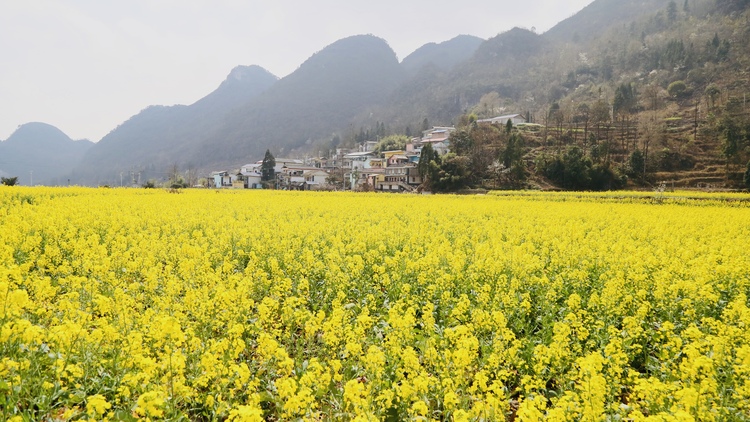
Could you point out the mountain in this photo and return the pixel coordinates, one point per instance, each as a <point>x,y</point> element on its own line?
<point>660,62</point>
<point>160,136</point>
<point>40,151</point>
<point>317,100</point>
<point>601,15</point>
<point>445,55</point>
<point>250,112</point>
<point>501,64</point>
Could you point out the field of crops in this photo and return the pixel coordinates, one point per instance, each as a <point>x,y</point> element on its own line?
<point>127,304</point>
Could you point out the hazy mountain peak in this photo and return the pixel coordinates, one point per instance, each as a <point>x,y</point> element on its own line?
<point>42,150</point>
<point>38,132</point>
<point>444,55</point>
<point>240,73</point>
<point>355,47</point>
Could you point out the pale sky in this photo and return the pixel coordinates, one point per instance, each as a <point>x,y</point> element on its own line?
<point>86,66</point>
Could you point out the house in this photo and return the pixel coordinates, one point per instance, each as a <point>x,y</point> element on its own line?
<point>438,137</point>
<point>358,160</point>
<point>220,179</point>
<point>515,119</point>
<point>399,178</point>
<point>399,158</point>
<point>286,162</point>
<point>253,175</point>
<point>293,177</point>
<point>315,179</point>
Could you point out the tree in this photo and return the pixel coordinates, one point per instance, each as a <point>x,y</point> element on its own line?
<point>392,143</point>
<point>512,158</point>
<point>428,166</point>
<point>677,89</point>
<point>461,142</point>
<point>731,136</point>
<point>600,116</point>
<point>747,175</point>
<point>9,181</point>
<point>672,11</point>
<point>176,181</point>
<point>712,92</point>
<point>453,174</point>
<point>267,167</point>
<point>625,99</point>
<point>636,164</point>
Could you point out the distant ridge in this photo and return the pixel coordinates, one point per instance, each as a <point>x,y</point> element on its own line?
<point>321,97</point>
<point>159,135</point>
<point>445,55</point>
<point>601,15</point>
<point>41,151</point>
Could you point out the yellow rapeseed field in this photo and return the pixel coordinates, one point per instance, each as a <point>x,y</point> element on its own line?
<point>125,304</point>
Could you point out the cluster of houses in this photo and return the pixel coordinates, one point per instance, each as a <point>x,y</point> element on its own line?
<point>359,169</point>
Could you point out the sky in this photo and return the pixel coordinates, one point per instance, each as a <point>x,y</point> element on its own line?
<point>86,66</point>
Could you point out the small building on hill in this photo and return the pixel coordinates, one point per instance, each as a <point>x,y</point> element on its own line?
<point>516,119</point>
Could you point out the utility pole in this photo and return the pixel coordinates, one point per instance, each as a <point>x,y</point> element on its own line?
<point>31,176</point>
<point>120,179</point>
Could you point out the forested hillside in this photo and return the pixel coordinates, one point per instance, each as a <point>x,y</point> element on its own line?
<point>660,98</point>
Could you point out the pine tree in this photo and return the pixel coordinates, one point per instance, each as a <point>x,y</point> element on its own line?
<point>672,11</point>
<point>267,168</point>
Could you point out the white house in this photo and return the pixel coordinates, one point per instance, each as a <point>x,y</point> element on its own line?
<point>438,137</point>
<point>314,179</point>
<point>221,179</point>
<point>252,175</point>
<point>503,120</point>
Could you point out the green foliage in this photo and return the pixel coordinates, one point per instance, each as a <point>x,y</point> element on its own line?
<point>636,165</point>
<point>454,173</point>
<point>392,143</point>
<point>668,160</point>
<point>746,178</point>
<point>674,54</point>
<point>426,158</point>
<point>732,137</point>
<point>150,184</point>
<point>461,142</point>
<point>512,158</point>
<point>573,170</point>
<point>9,181</point>
<point>600,112</point>
<point>625,99</point>
<point>712,92</point>
<point>178,184</point>
<point>677,89</point>
<point>267,171</point>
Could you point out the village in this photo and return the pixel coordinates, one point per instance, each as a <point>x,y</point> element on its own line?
<point>360,169</point>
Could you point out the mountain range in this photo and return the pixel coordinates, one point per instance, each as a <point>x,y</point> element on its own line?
<point>358,82</point>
